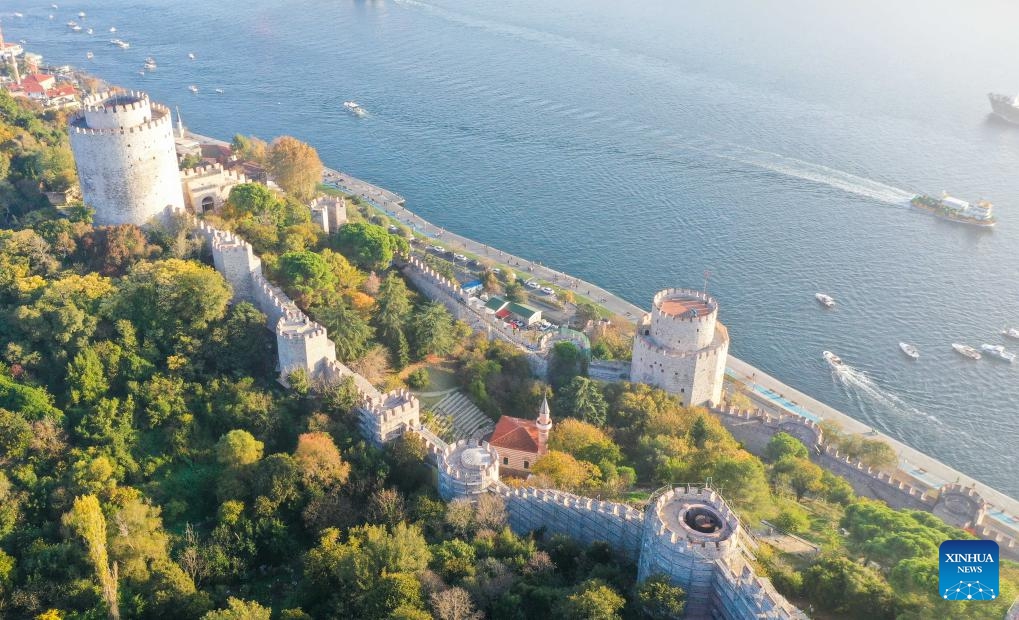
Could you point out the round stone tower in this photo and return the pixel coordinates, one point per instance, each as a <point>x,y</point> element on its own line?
<point>685,531</point>
<point>681,347</point>
<point>127,164</point>
<point>467,468</point>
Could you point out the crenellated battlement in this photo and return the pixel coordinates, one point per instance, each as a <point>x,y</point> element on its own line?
<point>664,312</point>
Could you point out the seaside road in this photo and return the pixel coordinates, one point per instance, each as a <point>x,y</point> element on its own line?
<point>927,470</point>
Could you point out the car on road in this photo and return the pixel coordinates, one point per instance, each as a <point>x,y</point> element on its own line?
<point>547,290</point>
<point>532,284</point>
<point>438,249</point>
<point>460,257</point>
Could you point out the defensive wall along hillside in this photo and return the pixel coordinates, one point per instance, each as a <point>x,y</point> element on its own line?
<point>688,535</point>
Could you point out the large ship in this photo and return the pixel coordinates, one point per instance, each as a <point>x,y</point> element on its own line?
<point>1005,107</point>
<point>980,213</point>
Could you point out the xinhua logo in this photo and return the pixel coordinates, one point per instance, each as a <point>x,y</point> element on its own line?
<point>968,570</point>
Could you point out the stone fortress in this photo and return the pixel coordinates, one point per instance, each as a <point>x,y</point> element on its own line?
<point>123,146</point>
<point>681,347</point>
<point>127,164</point>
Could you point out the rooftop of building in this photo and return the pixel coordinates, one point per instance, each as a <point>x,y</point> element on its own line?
<point>515,434</point>
<point>677,306</point>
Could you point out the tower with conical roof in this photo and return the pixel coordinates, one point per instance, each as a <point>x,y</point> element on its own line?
<point>544,426</point>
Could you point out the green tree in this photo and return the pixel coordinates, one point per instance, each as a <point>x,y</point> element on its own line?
<point>658,599</point>
<point>782,445</point>
<point>432,331</point>
<point>86,378</point>
<point>582,399</point>
<point>802,476</point>
<point>841,586</point>
<point>369,246</point>
<point>86,519</point>
<point>594,600</point>
<point>237,609</point>
<point>305,273</point>
<point>238,448</point>
<point>565,472</point>
<point>351,333</point>
<point>565,362</point>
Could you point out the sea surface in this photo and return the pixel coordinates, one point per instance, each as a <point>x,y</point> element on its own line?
<point>640,144</point>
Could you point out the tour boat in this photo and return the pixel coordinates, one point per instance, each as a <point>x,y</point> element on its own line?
<point>833,360</point>
<point>1011,332</point>
<point>193,89</point>
<point>825,300</point>
<point>966,350</point>
<point>998,351</point>
<point>910,350</point>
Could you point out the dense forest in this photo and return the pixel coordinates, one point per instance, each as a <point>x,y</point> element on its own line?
<point>151,464</point>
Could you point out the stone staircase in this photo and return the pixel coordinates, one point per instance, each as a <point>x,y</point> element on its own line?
<point>468,422</point>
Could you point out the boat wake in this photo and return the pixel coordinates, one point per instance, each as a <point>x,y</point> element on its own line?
<point>859,385</point>
<point>817,173</point>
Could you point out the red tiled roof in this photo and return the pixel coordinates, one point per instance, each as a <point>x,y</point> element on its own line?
<point>60,91</point>
<point>515,434</point>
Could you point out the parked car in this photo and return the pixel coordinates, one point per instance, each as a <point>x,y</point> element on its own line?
<point>547,290</point>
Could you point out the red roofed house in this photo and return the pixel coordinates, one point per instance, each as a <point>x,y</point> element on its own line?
<point>35,85</point>
<point>520,442</point>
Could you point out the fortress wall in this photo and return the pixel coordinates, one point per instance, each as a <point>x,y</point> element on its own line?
<point>609,370</point>
<point>583,519</point>
<point>436,287</point>
<point>739,594</point>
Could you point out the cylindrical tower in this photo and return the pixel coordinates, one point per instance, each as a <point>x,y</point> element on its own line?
<point>127,164</point>
<point>685,531</point>
<point>681,347</point>
<point>467,468</point>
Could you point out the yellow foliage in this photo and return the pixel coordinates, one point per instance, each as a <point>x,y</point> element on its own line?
<point>362,302</point>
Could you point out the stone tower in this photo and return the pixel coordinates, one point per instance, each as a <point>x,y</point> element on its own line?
<point>544,425</point>
<point>127,165</point>
<point>681,347</point>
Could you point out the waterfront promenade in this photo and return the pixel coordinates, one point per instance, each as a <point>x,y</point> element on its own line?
<point>767,391</point>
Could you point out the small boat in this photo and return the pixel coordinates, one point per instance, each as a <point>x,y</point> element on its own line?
<point>89,31</point>
<point>219,90</point>
<point>150,63</point>
<point>51,15</point>
<point>833,360</point>
<point>81,13</point>
<point>76,28</point>
<point>191,55</point>
<point>113,28</point>
<point>910,350</point>
<point>966,350</point>
<point>18,14</point>
<point>998,351</point>
<point>89,55</point>
<point>193,89</point>
<point>1010,332</point>
<point>119,43</point>
<point>354,107</point>
<point>825,300</point>
<point>53,6</point>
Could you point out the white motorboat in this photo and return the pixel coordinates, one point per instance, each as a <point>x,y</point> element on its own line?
<point>150,63</point>
<point>191,55</point>
<point>89,31</point>
<point>193,89</point>
<point>19,15</point>
<point>113,28</point>
<point>833,360</point>
<point>219,91</point>
<point>355,108</point>
<point>998,351</point>
<point>910,350</point>
<point>76,28</point>
<point>966,350</point>
<point>120,43</point>
<point>825,300</point>
<point>81,13</point>
<point>1011,332</point>
<point>89,55</point>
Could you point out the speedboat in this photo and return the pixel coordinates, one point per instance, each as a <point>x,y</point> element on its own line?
<point>355,107</point>
<point>966,350</point>
<point>825,300</point>
<point>1011,332</point>
<point>909,350</point>
<point>998,351</point>
<point>833,360</point>
<point>193,89</point>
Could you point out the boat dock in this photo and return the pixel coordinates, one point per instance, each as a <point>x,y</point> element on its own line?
<point>766,390</point>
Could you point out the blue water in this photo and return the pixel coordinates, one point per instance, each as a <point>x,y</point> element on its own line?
<point>638,144</point>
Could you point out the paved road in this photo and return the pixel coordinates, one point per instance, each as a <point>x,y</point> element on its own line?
<point>914,463</point>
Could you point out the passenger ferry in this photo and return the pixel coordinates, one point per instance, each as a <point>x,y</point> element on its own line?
<point>980,213</point>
